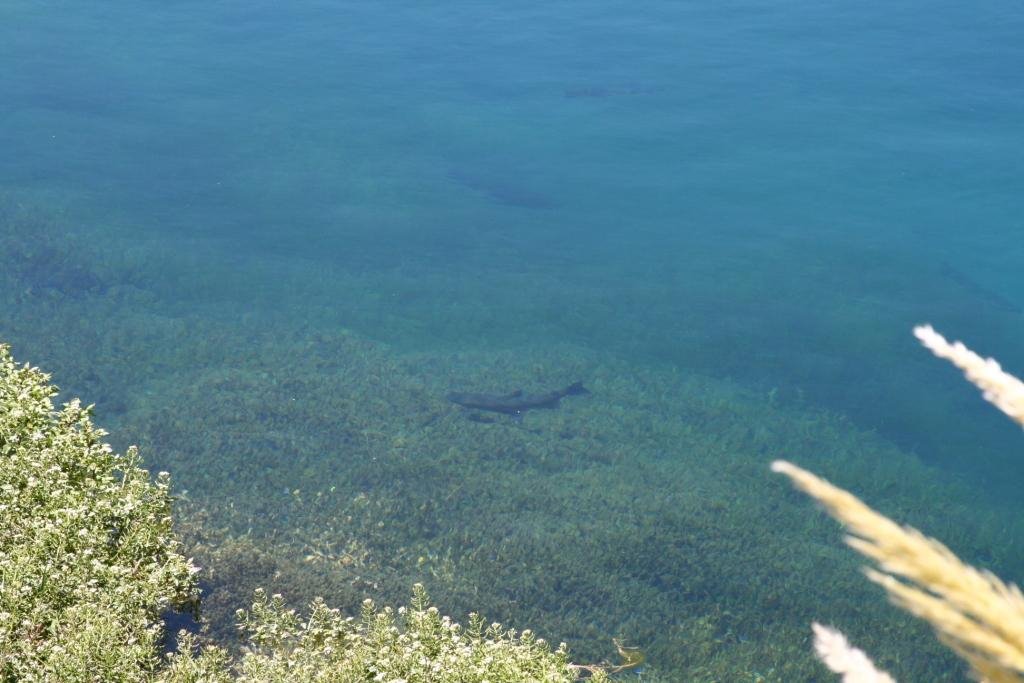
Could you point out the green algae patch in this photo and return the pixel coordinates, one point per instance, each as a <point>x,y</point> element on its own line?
<point>332,465</point>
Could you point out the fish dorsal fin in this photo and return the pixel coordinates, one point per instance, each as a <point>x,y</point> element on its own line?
<point>515,394</point>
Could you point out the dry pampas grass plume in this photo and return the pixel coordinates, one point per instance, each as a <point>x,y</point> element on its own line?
<point>838,655</point>
<point>974,612</point>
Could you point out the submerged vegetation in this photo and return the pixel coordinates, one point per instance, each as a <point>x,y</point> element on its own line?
<point>89,562</point>
<point>312,460</point>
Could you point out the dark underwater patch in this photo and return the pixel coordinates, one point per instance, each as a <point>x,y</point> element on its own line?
<point>501,189</point>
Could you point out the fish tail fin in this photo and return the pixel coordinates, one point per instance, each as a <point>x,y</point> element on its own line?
<point>576,388</point>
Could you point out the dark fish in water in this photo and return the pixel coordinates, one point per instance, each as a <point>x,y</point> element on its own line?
<point>978,291</point>
<point>600,91</point>
<point>501,190</point>
<point>516,402</point>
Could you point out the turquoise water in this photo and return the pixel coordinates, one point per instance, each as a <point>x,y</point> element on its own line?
<point>768,196</point>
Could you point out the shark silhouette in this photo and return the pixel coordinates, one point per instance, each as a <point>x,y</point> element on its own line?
<point>517,402</point>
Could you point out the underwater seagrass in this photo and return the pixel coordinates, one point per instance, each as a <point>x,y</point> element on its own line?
<point>90,563</point>
<point>975,613</point>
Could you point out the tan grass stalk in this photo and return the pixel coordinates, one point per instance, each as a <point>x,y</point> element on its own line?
<point>999,387</point>
<point>974,612</point>
<point>842,658</point>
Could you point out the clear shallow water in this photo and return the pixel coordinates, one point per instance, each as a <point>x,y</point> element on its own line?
<point>767,193</point>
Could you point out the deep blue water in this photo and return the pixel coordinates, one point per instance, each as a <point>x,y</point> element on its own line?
<point>680,164</point>
<point>768,192</point>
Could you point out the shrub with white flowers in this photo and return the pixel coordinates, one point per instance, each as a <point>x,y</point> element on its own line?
<point>88,558</point>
